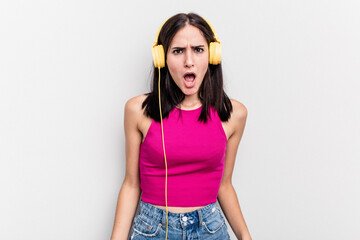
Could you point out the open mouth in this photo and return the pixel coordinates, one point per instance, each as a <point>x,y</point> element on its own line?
<point>189,77</point>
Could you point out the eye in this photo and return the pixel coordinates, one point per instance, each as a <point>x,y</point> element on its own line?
<point>177,51</point>
<point>199,50</point>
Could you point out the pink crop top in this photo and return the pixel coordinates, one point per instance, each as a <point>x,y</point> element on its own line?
<point>195,154</point>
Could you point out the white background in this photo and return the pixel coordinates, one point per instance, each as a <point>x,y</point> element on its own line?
<point>68,67</point>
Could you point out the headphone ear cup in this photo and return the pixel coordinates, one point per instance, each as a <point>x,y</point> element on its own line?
<point>215,53</point>
<point>158,54</point>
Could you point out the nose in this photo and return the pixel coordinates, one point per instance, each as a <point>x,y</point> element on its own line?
<point>189,59</point>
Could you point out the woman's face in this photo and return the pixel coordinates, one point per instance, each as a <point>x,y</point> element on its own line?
<point>187,59</point>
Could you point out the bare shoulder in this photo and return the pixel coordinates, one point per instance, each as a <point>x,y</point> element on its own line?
<point>133,108</point>
<point>134,105</point>
<point>236,123</point>
<point>239,112</point>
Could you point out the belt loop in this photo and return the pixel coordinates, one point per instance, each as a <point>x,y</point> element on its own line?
<point>200,218</point>
<point>163,221</point>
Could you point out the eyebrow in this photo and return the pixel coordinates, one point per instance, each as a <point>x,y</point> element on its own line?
<point>197,46</point>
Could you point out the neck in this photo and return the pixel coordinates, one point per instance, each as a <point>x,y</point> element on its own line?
<point>190,102</point>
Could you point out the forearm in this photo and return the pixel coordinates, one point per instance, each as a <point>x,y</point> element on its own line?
<point>125,211</point>
<point>230,205</point>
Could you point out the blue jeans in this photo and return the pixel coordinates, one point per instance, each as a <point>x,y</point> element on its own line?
<point>204,223</point>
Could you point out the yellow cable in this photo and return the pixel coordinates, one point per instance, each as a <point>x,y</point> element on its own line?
<point>162,136</point>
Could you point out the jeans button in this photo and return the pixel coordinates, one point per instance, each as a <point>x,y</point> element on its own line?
<point>184,218</point>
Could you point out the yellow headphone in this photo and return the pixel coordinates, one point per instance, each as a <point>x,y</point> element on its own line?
<point>158,54</point>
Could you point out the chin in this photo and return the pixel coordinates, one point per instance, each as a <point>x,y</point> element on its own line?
<point>190,92</point>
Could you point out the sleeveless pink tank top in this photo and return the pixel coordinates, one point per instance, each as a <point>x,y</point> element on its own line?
<point>195,154</point>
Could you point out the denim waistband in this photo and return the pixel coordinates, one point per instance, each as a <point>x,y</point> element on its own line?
<point>177,219</point>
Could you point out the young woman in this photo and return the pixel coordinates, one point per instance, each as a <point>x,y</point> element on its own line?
<point>182,163</point>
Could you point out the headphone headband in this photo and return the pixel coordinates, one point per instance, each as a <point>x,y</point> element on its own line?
<point>212,29</point>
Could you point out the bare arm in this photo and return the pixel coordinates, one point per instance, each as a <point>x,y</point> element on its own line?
<point>227,196</point>
<point>130,191</point>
